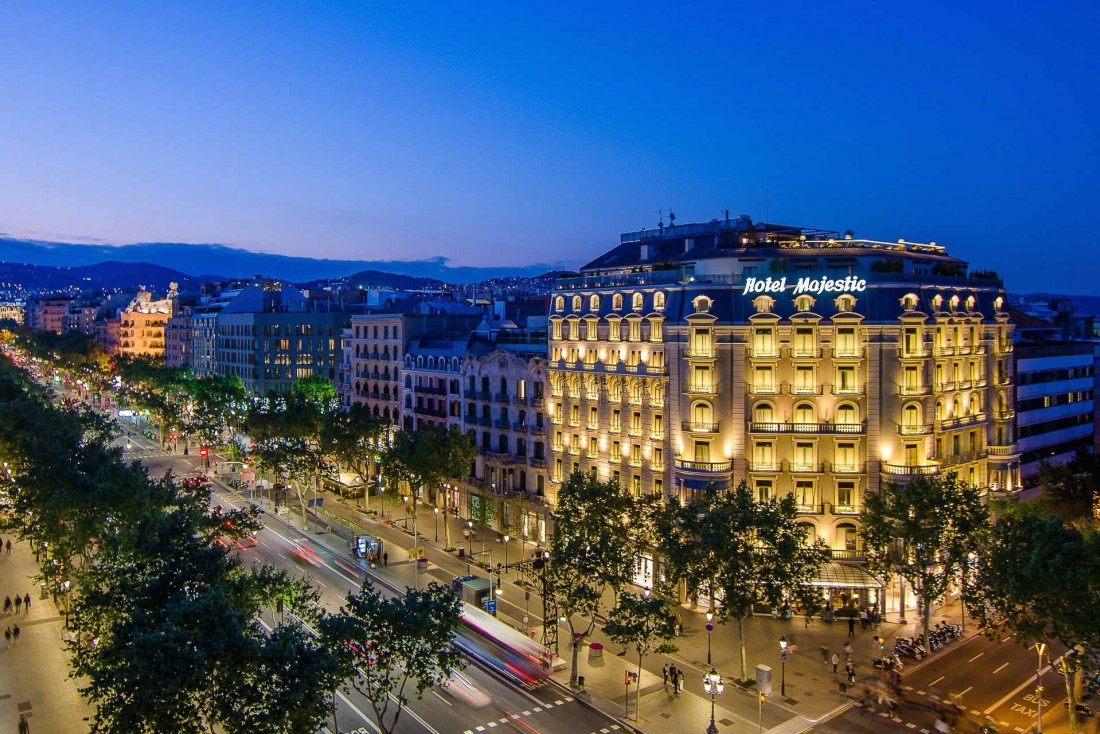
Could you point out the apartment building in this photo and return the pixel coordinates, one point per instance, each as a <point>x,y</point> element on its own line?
<point>47,313</point>
<point>797,360</point>
<point>142,323</point>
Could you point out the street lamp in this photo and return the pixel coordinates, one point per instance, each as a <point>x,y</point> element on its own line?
<point>469,537</point>
<point>710,628</point>
<point>381,498</point>
<point>435,511</point>
<point>783,665</point>
<point>506,539</point>
<point>1040,647</point>
<point>712,684</point>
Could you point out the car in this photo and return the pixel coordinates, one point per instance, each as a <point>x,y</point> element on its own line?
<point>463,689</point>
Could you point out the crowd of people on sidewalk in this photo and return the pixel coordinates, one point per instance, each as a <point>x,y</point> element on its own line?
<point>21,605</point>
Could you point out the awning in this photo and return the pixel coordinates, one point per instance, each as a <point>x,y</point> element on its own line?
<point>836,575</point>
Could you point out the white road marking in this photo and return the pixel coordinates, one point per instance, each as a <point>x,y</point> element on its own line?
<point>936,681</point>
<point>911,725</point>
<point>353,707</point>
<point>1007,639</point>
<point>492,724</point>
<point>960,695</point>
<point>975,657</point>
<point>441,698</point>
<point>998,670</point>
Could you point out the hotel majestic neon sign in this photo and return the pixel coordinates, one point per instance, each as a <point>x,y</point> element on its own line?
<point>824,284</point>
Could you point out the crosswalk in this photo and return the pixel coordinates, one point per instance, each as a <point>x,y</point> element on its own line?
<point>504,720</point>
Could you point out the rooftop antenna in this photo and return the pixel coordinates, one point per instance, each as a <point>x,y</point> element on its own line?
<point>660,218</point>
<point>671,217</point>
<point>725,213</point>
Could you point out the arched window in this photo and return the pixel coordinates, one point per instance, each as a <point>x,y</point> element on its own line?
<point>617,302</point>
<point>804,413</point>
<point>593,303</point>
<point>701,415</point>
<point>847,537</point>
<point>970,303</point>
<point>939,410</point>
<point>954,303</point>
<point>576,303</point>
<point>658,301</point>
<point>637,302</point>
<point>911,416</point>
<point>559,304</point>
<point>955,412</point>
<point>937,302</point>
<point>763,413</point>
<point>701,303</point>
<point>408,381</point>
<point>847,414</point>
<point>803,303</point>
<point>909,301</point>
<point>845,302</point>
<point>975,405</point>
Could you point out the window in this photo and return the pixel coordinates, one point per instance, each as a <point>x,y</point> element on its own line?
<point>845,454</point>
<point>614,332</point>
<point>701,345</point>
<point>658,458</point>
<point>846,414</point>
<point>636,423</point>
<point>911,380</point>
<point>910,341</point>
<point>616,422</point>
<point>616,452</point>
<point>804,380</point>
<point>559,303</point>
<point>764,343</point>
<point>846,342</point>
<point>763,490</point>
<point>763,413</point>
<point>805,495</point>
<point>636,454</point>
<point>635,330</point>
<point>593,418</point>
<point>804,342</point>
<point>804,413</point>
<point>702,452</point>
<point>656,330</point>
<point>846,380</point>
<point>555,329</point>
<point>658,301</point>
<point>764,380</point>
<point>593,303</point>
<point>637,302</point>
<point>845,496</point>
<point>617,302</point>
<point>636,485</point>
<point>803,456</point>
<point>576,304</point>
<point>763,456</point>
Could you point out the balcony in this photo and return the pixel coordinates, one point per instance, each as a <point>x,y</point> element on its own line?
<point>705,467</point>
<point>537,463</point>
<point>655,370</point>
<point>699,427</point>
<point>805,389</point>
<point>502,425</point>
<point>502,397</point>
<point>765,353</point>
<point>700,389</point>
<point>812,509</point>
<point>846,468</point>
<point>960,421</point>
<point>845,509</point>
<point>849,352</point>
<point>1002,450</point>
<point>943,350</point>
<point>765,467</point>
<point>519,400</point>
<point>913,391</point>
<point>914,429</point>
<point>907,470</point>
<point>848,389</point>
<point>701,352</point>
<point>845,554</point>
<point>764,389</point>
<point>424,390</point>
<point>840,428</point>
<point>914,353</point>
<point>805,353</point>
<point>1004,415</point>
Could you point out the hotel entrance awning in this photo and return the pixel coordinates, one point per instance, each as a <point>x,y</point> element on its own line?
<point>844,576</point>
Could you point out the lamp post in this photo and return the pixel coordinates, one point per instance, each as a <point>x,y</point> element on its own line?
<point>469,537</point>
<point>506,539</point>
<point>1041,648</point>
<point>782,665</point>
<point>710,628</point>
<point>435,511</point>
<point>381,498</point>
<point>712,684</point>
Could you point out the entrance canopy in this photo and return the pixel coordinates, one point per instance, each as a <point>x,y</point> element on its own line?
<point>836,575</point>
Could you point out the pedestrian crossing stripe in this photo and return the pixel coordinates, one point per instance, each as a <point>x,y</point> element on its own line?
<point>515,717</point>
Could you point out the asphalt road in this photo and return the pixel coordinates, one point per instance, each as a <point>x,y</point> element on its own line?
<point>547,709</point>
<point>994,678</point>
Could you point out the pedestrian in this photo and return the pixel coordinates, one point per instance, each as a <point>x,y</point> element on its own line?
<point>664,675</point>
<point>385,558</point>
<point>674,676</point>
<point>9,546</point>
<point>679,681</point>
<point>680,624</point>
<point>848,651</point>
<point>836,662</point>
<point>863,618</point>
<point>24,725</point>
<point>18,603</point>
<point>15,634</point>
<point>850,669</point>
<point>27,602</point>
<point>895,679</point>
<point>851,626</point>
<point>7,605</point>
<point>7,636</point>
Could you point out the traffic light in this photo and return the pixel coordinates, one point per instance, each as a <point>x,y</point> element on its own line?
<point>631,677</point>
<point>204,452</point>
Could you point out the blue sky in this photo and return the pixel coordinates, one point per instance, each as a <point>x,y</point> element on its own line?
<point>515,133</point>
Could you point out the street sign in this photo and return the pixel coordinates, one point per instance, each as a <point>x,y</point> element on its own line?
<point>783,656</point>
<point>491,606</point>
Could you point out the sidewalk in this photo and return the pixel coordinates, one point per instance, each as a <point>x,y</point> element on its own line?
<point>34,676</point>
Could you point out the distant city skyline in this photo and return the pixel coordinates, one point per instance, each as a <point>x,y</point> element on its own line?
<point>514,135</point>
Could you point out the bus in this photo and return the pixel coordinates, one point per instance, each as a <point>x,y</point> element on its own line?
<point>509,652</point>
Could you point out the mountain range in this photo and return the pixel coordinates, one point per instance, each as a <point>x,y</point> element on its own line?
<point>195,259</point>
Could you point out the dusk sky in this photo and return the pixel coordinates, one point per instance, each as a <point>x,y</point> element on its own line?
<point>509,134</point>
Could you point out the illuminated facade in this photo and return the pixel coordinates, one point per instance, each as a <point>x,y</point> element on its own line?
<point>796,360</point>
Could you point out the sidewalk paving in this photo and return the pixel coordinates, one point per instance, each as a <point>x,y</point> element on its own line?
<point>34,675</point>
<point>812,693</point>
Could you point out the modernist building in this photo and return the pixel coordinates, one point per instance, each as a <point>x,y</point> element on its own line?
<point>796,360</point>
<point>47,313</point>
<point>141,325</point>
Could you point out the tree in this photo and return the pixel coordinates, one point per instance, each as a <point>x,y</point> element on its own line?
<point>742,552</point>
<point>354,439</point>
<point>428,458</point>
<point>923,531</point>
<point>590,553</point>
<point>396,642</point>
<point>644,622</point>
<point>1039,581</point>
<point>1070,490</point>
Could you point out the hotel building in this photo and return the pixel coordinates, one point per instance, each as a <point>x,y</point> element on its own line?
<point>796,360</point>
